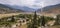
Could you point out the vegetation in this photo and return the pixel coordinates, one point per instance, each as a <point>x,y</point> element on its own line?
<point>33,23</point>
<point>12,19</point>
<point>36,20</point>
<point>57,20</point>
<point>42,21</point>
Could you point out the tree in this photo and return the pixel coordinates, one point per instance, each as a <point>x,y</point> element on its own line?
<point>39,22</point>
<point>57,19</point>
<point>33,23</point>
<point>42,21</point>
<point>12,19</point>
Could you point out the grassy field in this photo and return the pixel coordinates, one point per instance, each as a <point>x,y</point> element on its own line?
<point>10,14</point>
<point>7,15</point>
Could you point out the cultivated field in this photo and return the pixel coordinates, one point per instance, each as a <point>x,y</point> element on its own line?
<point>11,14</point>
<point>8,15</point>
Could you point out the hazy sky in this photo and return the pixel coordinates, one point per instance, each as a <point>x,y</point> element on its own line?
<point>31,3</point>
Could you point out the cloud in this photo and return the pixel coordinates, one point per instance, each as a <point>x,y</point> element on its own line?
<point>18,2</point>
<point>31,3</point>
<point>47,2</point>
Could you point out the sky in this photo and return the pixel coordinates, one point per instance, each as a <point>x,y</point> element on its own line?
<point>31,3</point>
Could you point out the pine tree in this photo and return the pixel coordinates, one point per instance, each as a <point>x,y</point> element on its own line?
<point>42,21</point>
<point>33,23</point>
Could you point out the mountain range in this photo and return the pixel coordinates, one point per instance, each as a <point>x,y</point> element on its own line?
<point>51,9</point>
<point>24,8</point>
<point>6,9</point>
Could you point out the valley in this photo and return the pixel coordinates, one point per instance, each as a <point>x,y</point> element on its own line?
<point>25,17</point>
